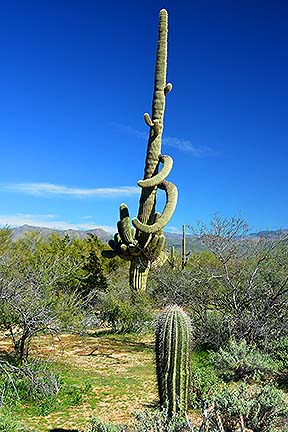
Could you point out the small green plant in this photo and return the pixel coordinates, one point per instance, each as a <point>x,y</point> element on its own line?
<point>46,406</point>
<point>158,421</point>
<point>240,360</point>
<point>97,425</point>
<point>279,353</point>
<point>173,346</point>
<point>75,395</point>
<point>9,424</point>
<point>204,379</point>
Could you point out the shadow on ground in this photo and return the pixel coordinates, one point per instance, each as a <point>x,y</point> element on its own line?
<point>63,430</point>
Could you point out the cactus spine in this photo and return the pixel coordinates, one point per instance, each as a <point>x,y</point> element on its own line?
<point>173,349</point>
<point>145,245</point>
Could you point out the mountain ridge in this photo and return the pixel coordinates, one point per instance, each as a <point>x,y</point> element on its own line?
<point>173,239</point>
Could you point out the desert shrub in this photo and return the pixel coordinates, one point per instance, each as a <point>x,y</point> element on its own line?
<point>237,287</point>
<point>268,410</point>
<point>211,329</point>
<point>158,421</point>
<point>240,361</point>
<point>260,408</point>
<point>97,425</point>
<point>34,382</point>
<point>124,314</point>
<point>40,380</point>
<point>279,352</point>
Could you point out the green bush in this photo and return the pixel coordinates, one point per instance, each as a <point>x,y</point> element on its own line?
<point>204,379</point>
<point>9,424</point>
<point>97,425</point>
<point>239,360</point>
<point>158,421</point>
<point>261,408</point>
<point>125,314</point>
<point>268,410</point>
<point>279,352</point>
<point>74,395</point>
<point>211,329</point>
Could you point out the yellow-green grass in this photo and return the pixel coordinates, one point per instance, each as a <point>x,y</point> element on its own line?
<point>106,376</point>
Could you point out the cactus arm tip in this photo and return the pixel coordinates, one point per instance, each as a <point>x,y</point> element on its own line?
<point>168,88</point>
<point>148,120</point>
<point>160,177</point>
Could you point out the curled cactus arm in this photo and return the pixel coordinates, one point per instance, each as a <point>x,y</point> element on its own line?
<point>171,201</point>
<point>134,250</point>
<point>163,173</point>
<point>108,253</point>
<point>123,225</point>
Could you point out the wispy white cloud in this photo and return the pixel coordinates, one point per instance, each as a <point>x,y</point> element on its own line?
<point>181,144</point>
<point>130,130</point>
<point>173,229</point>
<point>48,221</point>
<point>185,145</point>
<point>50,189</point>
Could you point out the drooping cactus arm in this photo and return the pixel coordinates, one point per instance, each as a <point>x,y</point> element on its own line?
<point>158,178</point>
<point>171,201</point>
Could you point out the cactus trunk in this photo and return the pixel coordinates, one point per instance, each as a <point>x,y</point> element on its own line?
<point>148,195</point>
<point>173,350</point>
<point>145,246</point>
<point>138,274</point>
<point>183,247</point>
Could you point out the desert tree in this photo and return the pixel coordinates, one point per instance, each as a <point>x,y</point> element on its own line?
<point>30,299</point>
<point>237,287</point>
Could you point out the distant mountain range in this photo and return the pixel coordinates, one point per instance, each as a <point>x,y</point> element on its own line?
<point>22,230</point>
<point>173,239</point>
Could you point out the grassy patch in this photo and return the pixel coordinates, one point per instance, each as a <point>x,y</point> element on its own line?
<point>108,376</point>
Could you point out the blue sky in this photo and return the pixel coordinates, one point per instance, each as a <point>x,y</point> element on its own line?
<point>76,77</point>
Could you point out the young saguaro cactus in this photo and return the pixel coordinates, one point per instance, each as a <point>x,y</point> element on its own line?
<point>145,244</point>
<point>173,345</point>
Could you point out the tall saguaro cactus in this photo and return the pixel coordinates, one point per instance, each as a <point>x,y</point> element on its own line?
<point>173,350</point>
<point>145,244</point>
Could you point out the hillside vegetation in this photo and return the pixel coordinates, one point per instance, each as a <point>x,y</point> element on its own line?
<point>75,343</point>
